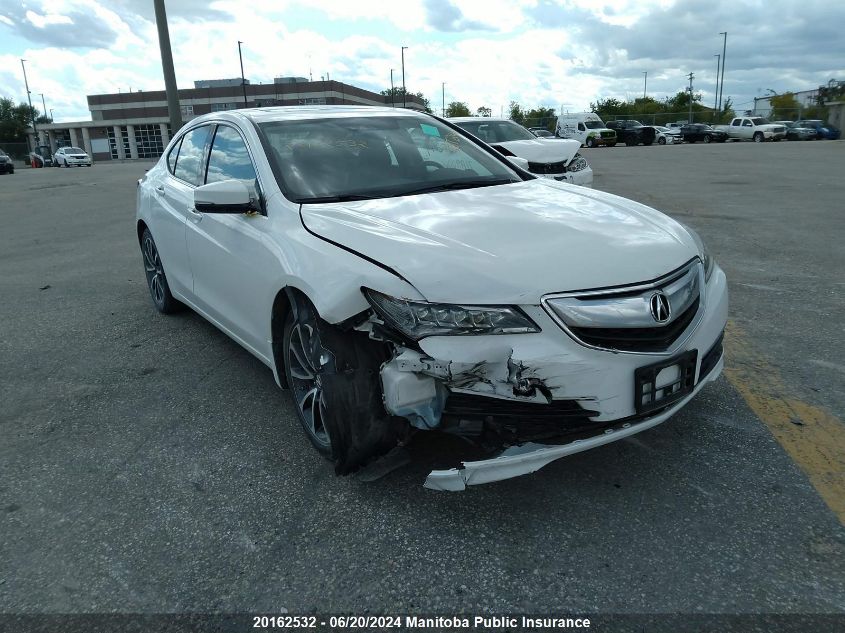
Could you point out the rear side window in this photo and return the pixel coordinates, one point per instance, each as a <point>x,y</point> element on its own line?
<point>171,157</point>
<point>189,160</point>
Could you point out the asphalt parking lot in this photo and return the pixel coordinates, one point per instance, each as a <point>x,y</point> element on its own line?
<point>149,464</point>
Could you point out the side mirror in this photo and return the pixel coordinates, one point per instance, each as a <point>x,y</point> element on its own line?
<point>522,163</point>
<point>226,196</point>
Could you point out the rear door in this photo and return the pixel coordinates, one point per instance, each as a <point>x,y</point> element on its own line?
<point>172,199</point>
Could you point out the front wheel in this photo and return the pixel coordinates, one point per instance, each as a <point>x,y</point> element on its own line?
<point>707,138</point>
<point>758,137</point>
<point>661,141</point>
<point>591,142</point>
<point>156,279</point>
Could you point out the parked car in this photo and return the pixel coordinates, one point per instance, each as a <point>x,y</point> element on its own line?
<point>551,158</point>
<point>693,132</point>
<point>822,128</point>
<point>633,132</point>
<point>541,132</point>
<point>7,165</point>
<point>667,135</point>
<point>796,132</point>
<point>586,128</point>
<point>71,157</point>
<point>394,293</point>
<point>755,129</point>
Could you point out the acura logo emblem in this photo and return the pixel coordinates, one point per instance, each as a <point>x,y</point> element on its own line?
<point>660,309</point>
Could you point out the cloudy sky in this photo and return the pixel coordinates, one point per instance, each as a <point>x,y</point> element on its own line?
<point>556,53</point>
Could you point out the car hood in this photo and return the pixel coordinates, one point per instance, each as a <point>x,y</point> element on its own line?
<point>508,243</point>
<point>543,150</point>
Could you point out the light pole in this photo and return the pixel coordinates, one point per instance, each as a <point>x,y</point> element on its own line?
<point>392,91</point>
<point>404,93</point>
<point>243,80</point>
<point>690,96</point>
<point>43,103</point>
<point>722,80</point>
<point>645,82</point>
<point>716,97</point>
<point>443,97</point>
<point>173,110</point>
<point>51,115</point>
<point>29,98</point>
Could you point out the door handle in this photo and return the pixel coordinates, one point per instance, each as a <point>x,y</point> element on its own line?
<point>160,188</point>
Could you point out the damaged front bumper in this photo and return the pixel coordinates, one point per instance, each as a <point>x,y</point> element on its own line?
<point>528,458</point>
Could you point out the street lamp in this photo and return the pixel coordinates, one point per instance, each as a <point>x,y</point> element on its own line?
<point>29,98</point>
<point>722,81</point>
<point>404,92</point>
<point>443,87</point>
<point>243,80</point>
<point>43,103</point>
<point>51,115</point>
<point>645,82</point>
<point>392,91</point>
<point>716,97</point>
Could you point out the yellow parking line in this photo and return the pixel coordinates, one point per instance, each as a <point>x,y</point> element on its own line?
<point>812,437</point>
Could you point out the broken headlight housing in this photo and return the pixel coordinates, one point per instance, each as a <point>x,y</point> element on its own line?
<point>418,319</point>
<point>578,163</point>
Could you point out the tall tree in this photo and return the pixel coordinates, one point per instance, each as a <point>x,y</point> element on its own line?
<point>457,108</point>
<point>397,93</point>
<point>515,112</point>
<point>785,107</point>
<point>484,111</point>
<point>14,119</point>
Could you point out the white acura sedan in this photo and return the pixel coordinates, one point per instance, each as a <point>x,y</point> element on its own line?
<point>398,275</point>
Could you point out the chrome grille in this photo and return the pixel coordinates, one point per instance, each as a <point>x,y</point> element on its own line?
<point>621,319</point>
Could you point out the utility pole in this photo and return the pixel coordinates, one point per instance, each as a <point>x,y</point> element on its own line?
<point>645,82</point>
<point>51,115</point>
<point>29,98</point>
<point>404,91</point>
<point>392,91</point>
<point>716,97</point>
<point>43,103</point>
<point>690,96</point>
<point>173,110</point>
<point>443,97</point>
<point>243,80</point>
<point>722,81</point>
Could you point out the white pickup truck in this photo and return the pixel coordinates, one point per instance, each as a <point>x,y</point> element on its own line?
<point>753,128</point>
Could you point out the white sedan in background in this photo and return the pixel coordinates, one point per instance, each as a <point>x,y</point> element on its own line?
<point>554,158</point>
<point>71,157</point>
<point>668,135</point>
<point>400,276</point>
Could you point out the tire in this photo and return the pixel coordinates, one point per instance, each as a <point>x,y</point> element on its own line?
<point>591,142</point>
<point>758,137</point>
<point>707,138</point>
<point>334,379</point>
<point>157,284</point>
<point>661,141</point>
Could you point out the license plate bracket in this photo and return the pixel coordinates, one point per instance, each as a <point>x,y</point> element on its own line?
<point>648,396</point>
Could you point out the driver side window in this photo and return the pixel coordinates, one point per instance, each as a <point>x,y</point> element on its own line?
<point>230,160</point>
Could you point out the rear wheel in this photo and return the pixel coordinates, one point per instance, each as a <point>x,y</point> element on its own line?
<point>707,138</point>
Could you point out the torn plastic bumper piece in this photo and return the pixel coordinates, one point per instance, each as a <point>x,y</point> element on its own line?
<point>528,458</point>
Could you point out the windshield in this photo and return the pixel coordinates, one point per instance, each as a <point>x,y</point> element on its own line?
<point>496,131</point>
<point>74,150</point>
<point>336,159</point>
<point>593,125</point>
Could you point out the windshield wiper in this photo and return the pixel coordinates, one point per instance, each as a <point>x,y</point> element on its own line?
<point>454,186</point>
<point>346,197</point>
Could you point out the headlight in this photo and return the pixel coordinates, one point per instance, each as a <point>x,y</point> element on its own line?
<point>706,258</point>
<point>418,319</point>
<point>578,163</point>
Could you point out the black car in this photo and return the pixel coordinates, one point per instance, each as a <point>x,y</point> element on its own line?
<point>632,132</point>
<point>7,165</point>
<point>693,132</point>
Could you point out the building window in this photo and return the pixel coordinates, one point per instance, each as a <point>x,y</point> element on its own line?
<point>149,141</point>
<point>62,138</point>
<point>313,101</point>
<point>124,138</point>
<point>187,110</point>
<point>219,107</point>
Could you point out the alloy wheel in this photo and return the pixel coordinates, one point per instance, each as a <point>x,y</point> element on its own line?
<point>154,270</point>
<point>306,359</point>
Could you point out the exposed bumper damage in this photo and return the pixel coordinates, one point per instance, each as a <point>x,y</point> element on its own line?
<point>528,458</point>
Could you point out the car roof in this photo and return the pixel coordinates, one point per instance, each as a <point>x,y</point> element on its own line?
<point>463,119</point>
<point>290,113</point>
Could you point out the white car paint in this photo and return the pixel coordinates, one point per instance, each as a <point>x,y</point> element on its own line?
<point>585,127</point>
<point>753,128</point>
<point>667,135</point>
<point>522,244</point>
<point>540,151</point>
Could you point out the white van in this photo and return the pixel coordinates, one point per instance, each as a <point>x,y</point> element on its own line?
<point>586,127</point>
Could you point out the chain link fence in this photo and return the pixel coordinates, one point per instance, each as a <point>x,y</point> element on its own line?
<point>18,151</point>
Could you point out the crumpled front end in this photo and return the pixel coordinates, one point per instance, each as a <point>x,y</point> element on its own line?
<point>533,398</point>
